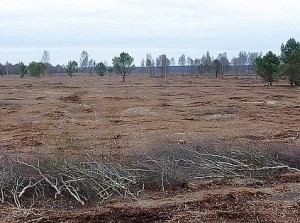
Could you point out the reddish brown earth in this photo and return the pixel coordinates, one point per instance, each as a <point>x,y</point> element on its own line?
<point>108,118</point>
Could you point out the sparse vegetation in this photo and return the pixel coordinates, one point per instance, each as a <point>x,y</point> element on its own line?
<point>97,171</point>
<point>148,134</point>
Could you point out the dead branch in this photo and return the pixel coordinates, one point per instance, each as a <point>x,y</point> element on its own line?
<point>38,169</point>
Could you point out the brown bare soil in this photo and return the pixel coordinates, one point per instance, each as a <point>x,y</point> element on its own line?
<point>111,119</point>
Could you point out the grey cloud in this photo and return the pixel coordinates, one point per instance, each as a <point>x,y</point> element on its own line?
<point>177,26</point>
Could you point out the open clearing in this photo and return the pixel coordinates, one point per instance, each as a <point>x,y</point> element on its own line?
<point>111,119</point>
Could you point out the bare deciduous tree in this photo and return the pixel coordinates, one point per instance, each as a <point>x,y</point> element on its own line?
<point>142,63</point>
<point>206,62</point>
<point>150,63</point>
<point>172,62</point>
<point>46,61</point>
<point>84,59</point>
<point>252,56</point>
<point>91,66</point>
<point>164,63</point>
<point>224,63</point>
<point>197,66</point>
<point>182,62</point>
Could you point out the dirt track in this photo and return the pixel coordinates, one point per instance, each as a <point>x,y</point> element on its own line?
<point>103,116</point>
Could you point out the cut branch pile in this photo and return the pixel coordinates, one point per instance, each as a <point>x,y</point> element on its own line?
<point>92,179</point>
<point>80,180</point>
<point>175,167</point>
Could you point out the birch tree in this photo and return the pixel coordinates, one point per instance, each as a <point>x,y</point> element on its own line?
<point>46,61</point>
<point>84,60</point>
<point>182,62</point>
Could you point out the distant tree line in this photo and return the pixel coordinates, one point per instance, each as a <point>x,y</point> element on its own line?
<point>270,66</point>
<point>44,67</point>
<point>159,66</point>
<point>205,65</point>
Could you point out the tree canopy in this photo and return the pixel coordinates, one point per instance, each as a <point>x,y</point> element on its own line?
<point>288,48</point>
<point>218,67</point>
<point>71,68</point>
<point>36,69</point>
<point>22,69</point>
<point>123,64</point>
<point>101,69</point>
<point>290,56</point>
<point>292,68</point>
<point>267,67</point>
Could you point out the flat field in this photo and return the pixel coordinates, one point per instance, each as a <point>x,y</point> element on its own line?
<point>111,119</point>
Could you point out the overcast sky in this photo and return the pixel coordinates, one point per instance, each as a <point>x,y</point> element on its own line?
<point>105,28</point>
